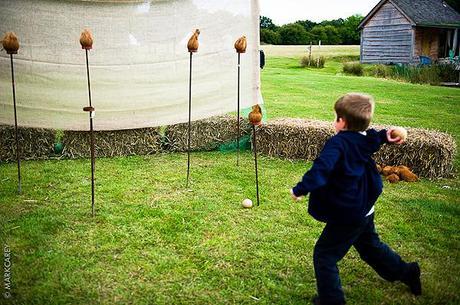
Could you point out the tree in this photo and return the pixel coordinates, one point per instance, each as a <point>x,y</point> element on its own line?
<point>319,33</point>
<point>335,23</point>
<point>293,34</point>
<point>332,35</point>
<point>307,24</point>
<point>269,36</point>
<point>349,30</point>
<point>267,23</point>
<point>338,31</point>
<point>455,4</point>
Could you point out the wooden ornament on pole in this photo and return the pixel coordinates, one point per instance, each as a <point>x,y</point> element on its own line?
<point>11,45</point>
<point>240,47</point>
<point>86,41</point>
<point>255,118</point>
<point>192,47</point>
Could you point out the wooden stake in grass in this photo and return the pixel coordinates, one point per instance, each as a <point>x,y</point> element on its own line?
<point>255,117</point>
<point>86,41</point>
<point>192,47</point>
<point>240,47</point>
<point>11,45</point>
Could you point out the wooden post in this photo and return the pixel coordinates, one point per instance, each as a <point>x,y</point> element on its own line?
<point>319,49</point>
<point>454,44</point>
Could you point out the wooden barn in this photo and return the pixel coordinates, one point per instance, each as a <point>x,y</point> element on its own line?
<point>401,31</point>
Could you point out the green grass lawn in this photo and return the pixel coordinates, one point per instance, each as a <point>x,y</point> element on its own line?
<point>155,242</point>
<point>302,50</point>
<point>291,91</point>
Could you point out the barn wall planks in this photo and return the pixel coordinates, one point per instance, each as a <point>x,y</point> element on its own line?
<point>387,37</point>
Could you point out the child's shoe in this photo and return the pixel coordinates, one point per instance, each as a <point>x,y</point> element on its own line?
<point>412,278</point>
<point>316,301</point>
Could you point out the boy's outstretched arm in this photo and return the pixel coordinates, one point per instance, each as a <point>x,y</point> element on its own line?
<point>382,137</point>
<point>322,167</point>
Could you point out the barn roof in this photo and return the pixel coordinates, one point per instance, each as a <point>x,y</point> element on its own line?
<point>430,13</point>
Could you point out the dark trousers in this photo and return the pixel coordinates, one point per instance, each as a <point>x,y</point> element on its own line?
<point>334,243</point>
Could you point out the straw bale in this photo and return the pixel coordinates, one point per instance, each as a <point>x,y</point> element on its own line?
<point>293,138</point>
<point>427,153</point>
<point>207,134</point>
<point>35,143</point>
<point>143,141</point>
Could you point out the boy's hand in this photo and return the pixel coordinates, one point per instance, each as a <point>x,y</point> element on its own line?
<point>294,197</point>
<point>391,140</point>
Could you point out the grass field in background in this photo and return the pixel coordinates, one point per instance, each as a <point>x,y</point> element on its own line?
<point>291,91</point>
<point>299,51</point>
<point>155,242</point>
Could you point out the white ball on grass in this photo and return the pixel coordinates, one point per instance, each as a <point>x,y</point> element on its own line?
<point>247,203</point>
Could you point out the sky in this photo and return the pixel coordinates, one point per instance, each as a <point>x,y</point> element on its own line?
<point>286,11</point>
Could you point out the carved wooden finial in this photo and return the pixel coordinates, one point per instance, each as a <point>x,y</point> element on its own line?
<point>10,43</point>
<point>193,44</point>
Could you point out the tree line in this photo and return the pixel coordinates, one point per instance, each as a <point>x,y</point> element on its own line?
<point>302,32</point>
<point>338,31</point>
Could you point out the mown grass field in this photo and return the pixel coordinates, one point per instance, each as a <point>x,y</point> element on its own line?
<point>292,91</point>
<point>155,242</point>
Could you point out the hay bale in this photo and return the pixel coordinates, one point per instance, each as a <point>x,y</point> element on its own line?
<point>35,143</point>
<point>428,153</point>
<point>293,138</point>
<point>207,134</point>
<point>143,141</point>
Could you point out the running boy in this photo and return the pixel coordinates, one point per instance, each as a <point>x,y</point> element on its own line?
<point>344,185</point>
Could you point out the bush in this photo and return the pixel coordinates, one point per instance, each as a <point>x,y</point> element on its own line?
<point>353,68</point>
<point>269,36</point>
<point>313,62</point>
<point>432,74</point>
<point>378,71</point>
<point>447,73</point>
<point>416,74</point>
<point>293,34</point>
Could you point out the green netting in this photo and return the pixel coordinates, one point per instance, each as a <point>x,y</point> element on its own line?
<point>245,144</point>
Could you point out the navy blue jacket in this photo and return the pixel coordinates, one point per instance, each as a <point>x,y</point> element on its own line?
<point>344,182</point>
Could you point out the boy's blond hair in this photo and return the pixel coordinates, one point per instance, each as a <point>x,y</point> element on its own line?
<point>356,109</point>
